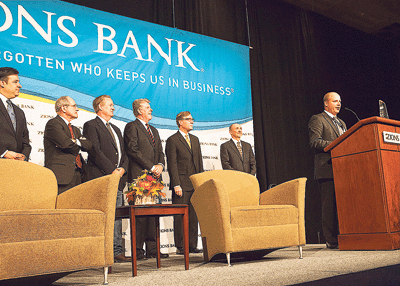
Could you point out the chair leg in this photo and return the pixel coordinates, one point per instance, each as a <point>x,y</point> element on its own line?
<point>301,252</point>
<point>105,276</point>
<point>228,257</point>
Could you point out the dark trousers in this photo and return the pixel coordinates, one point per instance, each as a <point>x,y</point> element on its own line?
<point>330,226</point>
<point>146,232</point>
<point>193,222</point>
<point>76,180</point>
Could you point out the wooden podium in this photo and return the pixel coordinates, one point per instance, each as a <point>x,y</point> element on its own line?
<point>366,171</point>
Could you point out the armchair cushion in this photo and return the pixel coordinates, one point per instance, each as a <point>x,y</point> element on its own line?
<point>259,216</point>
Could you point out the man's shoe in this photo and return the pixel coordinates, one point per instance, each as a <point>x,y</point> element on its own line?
<point>179,250</point>
<point>122,258</point>
<point>154,255</point>
<point>195,250</point>
<point>139,255</point>
<point>332,245</point>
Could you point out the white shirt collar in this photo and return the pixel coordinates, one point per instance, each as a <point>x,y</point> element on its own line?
<point>330,114</point>
<point>235,141</point>
<point>183,133</point>
<point>65,120</point>
<point>144,123</point>
<point>4,99</point>
<point>103,120</point>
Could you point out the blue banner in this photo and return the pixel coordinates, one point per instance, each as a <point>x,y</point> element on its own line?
<point>65,49</point>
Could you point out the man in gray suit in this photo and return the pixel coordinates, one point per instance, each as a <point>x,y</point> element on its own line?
<point>324,128</point>
<point>236,154</point>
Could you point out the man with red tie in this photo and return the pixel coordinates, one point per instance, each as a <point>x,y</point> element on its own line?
<point>62,145</point>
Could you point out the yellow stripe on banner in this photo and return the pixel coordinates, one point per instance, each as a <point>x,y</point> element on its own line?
<point>45,100</point>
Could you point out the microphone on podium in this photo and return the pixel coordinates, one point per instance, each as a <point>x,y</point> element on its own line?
<point>383,110</point>
<point>352,112</point>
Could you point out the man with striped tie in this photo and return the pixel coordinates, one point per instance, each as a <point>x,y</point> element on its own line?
<point>236,154</point>
<point>324,128</point>
<point>144,150</point>
<point>14,135</point>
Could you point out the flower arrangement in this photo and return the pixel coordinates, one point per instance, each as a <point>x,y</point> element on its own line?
<point>145,189</point>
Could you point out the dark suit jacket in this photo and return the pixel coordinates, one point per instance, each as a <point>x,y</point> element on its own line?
<point>231,159</point>
<point>322,132</point>
<point>11,140</point>
<point>103,156</point>
<point>140,150</point>
<point>60,151</point>
<point>183,161</point>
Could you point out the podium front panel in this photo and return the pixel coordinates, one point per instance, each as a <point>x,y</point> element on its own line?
<point>391,176</point>
<point>360,202</point>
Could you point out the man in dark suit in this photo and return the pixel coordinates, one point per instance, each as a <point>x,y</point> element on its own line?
<point>14,135</point>
<point>183,160</point>
<point>323,129</point>
<point>62,144</point>
<point>236,154</point>
<point>144,150</point>
<point>107,156</point>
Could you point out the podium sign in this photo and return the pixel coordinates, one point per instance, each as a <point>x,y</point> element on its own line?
<point>366,169</point>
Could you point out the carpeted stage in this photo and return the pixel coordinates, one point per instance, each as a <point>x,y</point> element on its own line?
<point>320,266</point>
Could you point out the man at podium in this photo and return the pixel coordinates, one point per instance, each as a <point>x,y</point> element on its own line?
<point>323,128</point>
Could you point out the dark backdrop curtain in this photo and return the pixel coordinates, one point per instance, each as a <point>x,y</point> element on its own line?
<point>296,57</point>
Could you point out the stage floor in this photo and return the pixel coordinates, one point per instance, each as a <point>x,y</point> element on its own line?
<point>320,266</point>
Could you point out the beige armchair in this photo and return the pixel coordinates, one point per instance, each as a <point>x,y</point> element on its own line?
<point>234,217</point>
<point>42,233</point>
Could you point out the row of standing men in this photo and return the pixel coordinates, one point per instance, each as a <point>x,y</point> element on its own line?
<point>109,152</point>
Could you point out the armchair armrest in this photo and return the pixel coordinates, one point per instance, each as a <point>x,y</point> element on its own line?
<point>289,193</point>
<point>98,194</point>
<point>212,206</point>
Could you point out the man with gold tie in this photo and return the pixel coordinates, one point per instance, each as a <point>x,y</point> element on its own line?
<point>183,160</point>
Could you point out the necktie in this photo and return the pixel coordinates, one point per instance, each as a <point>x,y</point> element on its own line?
<point>240,149</point>
<point>151,135</point>
<point>111,132</point>
<point>78,157</point>
<point>339,125</point>
<point>10,111</point>
<point>188,140</point>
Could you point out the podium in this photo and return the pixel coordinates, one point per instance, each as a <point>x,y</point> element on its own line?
<point>366,170</point>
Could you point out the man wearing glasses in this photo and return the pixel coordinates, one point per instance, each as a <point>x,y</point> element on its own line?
<point>183,160</point>
<point>62,145</point>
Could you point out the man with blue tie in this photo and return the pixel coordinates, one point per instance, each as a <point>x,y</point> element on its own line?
<point>14,134</point>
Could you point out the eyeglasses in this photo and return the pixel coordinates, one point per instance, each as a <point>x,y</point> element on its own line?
<point>188,119</point>
<point>71,105</point>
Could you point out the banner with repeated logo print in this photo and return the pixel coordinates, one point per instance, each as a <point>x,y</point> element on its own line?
<point>65,49</point>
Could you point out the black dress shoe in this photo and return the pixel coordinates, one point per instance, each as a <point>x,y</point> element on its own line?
<point>195,250</point>
<point>139,255</point>
<point>122,258</point>
<point>154,255</point>
<point>179,250</point>
<point>332,245</point>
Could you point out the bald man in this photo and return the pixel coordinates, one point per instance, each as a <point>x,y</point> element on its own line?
<point>324,128</point>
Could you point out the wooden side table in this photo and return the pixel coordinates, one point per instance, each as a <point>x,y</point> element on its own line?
<point>157,210</point>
